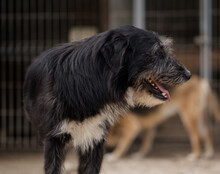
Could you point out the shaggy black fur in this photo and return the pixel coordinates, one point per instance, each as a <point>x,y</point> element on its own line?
<point>75,81</point>
<point>55,153</point>
<point>91,162</point>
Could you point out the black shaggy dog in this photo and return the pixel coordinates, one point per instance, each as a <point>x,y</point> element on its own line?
<point>75,91</point>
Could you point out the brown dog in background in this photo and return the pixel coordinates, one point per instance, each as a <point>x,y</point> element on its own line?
<point>192,101</point>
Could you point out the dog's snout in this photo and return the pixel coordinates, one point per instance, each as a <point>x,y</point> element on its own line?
<point>188,74</point>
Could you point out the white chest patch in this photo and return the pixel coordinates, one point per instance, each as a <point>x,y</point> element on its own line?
<point>92,130</point>
<point>86,133</point>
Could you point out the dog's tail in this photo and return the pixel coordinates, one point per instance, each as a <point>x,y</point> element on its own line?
<point>212,101</point>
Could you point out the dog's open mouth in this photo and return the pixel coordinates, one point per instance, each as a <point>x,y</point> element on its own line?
<point>157,89</point>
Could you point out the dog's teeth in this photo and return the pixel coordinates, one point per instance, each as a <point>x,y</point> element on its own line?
<point>156,87</point>
<point>164,94</point>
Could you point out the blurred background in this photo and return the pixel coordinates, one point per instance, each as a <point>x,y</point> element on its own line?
<point>28,27</point>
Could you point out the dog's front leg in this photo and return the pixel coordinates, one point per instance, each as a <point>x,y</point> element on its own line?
<point>54,153</point>
<point>90,161</point>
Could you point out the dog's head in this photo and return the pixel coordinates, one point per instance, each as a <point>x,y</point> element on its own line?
<point>144,63</point>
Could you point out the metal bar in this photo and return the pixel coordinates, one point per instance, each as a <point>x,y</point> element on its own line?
<point>52,23</point>
<point>59,22</point>
<point>31,139</point>
<point>0,65</point>
<point>22,70</point>
<point>1,87</point>
<point>18,77</point>
<point>7,76</point>
<point>13,79</point>
<point>67,20</point>
<point>44,25</point>
<point>139,10</point>
<point>3,79</point>
<point>206,39</point>
<point>26,57</point>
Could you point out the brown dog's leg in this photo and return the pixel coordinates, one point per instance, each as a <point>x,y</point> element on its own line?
<point>209,149</point>
<point>147,142</point>
<point>205,133</point>
<point>130,129</point>
<point>192,128</point>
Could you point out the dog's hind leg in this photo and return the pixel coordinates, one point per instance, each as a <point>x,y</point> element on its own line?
<point>147,143</point>
<point>209,149</point>
<point>90,161</point>
<point>206,136</point>
<point>130,129</point>
<point>54,153</point>
<point>192,128</point>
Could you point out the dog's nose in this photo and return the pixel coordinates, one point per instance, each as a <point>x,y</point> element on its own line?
<point>188,74</point>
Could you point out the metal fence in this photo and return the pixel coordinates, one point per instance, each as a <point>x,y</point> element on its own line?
<point>27,27</point>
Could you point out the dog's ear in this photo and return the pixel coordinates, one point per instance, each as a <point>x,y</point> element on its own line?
<point>113,50</point>
<point>167,42</point>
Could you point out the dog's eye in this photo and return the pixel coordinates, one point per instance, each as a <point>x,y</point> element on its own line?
<point>160,53</point>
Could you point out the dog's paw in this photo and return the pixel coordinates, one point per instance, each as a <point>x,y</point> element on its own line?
<point>138,155</point>
<point>69,167</point>
<point>110,157</point>
<point>192,157</point>
<point>208,154</point>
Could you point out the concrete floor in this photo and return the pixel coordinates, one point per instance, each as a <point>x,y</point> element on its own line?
<point>161,161</point>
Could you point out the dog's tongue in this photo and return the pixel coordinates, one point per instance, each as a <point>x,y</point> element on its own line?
<point>163,90</point>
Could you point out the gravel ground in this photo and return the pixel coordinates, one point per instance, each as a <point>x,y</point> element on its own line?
<point>160,161</point>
